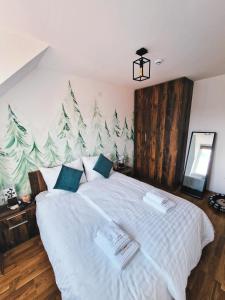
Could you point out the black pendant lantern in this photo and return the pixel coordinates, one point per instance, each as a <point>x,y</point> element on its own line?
<point>141,66</point>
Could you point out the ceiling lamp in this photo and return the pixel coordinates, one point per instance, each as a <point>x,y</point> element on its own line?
<point>141,66</point>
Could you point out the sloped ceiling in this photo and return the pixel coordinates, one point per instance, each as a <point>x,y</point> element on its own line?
<point>98,38</point>
<point>18,55</point>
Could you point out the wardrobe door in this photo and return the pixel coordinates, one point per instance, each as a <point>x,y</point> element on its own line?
<point>161,126</point>
<point>161,146</point>
<point>186,86</point>
<point>140,134</point>
<point>171,132</point>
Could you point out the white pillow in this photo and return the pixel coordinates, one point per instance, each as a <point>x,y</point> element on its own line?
<point>89,163</point>
<point>77,164</point>
<point>51,175</point>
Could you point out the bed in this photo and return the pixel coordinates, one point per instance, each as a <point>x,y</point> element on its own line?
<point>171,244</point>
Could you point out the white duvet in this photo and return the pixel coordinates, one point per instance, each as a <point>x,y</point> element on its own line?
<point>171,244</point>
<point>68,226</point>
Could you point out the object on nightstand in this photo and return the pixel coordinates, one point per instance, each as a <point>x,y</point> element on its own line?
<point>26,201</point>
<point>217,201</point>
<point>26,198</point>
<point>12,203</point>
<point>9,193</point>
<point>13,207</point>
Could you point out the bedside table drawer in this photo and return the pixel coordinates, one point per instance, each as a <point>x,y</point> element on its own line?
<point>17,220</point>
<point>17,228</point>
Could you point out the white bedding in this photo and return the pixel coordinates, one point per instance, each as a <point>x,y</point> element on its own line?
<point>173,242</point>
<point>68,226</point>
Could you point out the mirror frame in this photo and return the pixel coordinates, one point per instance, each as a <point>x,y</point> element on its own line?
<point>188,190</point>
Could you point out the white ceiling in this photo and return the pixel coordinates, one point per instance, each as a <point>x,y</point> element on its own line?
<point>98,38</point>
<point>16,51</point>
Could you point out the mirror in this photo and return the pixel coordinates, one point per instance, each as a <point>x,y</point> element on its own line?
<point>198,163</point>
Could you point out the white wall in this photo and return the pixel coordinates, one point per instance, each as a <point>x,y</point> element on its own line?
<point>208,114</point>
<point>37,103</point>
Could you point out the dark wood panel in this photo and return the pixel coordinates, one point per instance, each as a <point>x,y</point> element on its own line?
<point>152,130</point>
<point>183,127</point>
<point>161,123</point>
<point>1,264</point>
<point>162,115</point>
<point>37,183</point>
<point>140,156</point>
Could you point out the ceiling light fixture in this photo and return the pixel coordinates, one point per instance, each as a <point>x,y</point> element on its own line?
<point>141,66</point>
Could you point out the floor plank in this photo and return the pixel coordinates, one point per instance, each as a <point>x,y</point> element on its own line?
<point>29,275</point>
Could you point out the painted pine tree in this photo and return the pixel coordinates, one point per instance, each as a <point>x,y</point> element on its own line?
<point>116,124</point>
<point>36,155</point>
<point>98,145</point>
<point>75,104</point>
<point>132,129</point>
<point>16,135</point>
<point>115,153</point>
<point>51,156</point>
<point>125,130</point>
<point>24,166</point>
<point>78,116</point>
<point>3,173</point>
<point>132,133</point>
<point>80,143</point>
<point>107,130</point>
<point>97,117</point>
<point>64,125</point>
<point>68,154</point>
<point>81,125</point>
<point>125,155</point>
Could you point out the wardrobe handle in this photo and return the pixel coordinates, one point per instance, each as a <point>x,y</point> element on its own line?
<point>145,137</point>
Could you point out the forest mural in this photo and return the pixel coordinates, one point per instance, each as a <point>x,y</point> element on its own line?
<point>69,137</point>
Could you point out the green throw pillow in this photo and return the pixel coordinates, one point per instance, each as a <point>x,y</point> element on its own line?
<point>69,179</point>
<point>103,166</point>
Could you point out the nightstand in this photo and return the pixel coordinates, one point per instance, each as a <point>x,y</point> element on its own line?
<point>16,227</point>
<point>129,171</point>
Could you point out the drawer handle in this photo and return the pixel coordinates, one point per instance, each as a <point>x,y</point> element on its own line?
<point>19,214</point>
<point>17,225</point>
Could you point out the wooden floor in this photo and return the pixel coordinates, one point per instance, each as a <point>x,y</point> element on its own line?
<point>28,273</point>
<point>207,280</point>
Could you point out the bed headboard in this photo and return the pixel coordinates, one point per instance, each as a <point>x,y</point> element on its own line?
<point>37,183</point>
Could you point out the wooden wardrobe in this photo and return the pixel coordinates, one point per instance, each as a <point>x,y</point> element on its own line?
<point>161,120</point>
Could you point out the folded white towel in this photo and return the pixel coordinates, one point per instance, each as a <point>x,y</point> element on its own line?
<point>156,197</point>
<point>112,238</point>
<point>124,256</point>
<point>163,208</point>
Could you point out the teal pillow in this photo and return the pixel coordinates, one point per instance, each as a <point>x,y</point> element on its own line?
<point>69,179</point>
<point>103,166</point>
